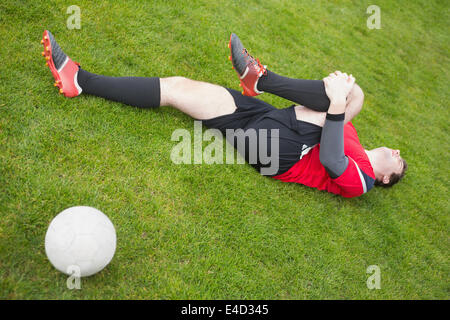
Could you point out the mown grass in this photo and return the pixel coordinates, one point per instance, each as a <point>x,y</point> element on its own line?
<point>223,231</point>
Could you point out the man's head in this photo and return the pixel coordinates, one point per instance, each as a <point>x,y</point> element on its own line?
<point>387,165</point>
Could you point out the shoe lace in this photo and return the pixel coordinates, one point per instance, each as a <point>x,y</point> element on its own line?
<point>255,62</point>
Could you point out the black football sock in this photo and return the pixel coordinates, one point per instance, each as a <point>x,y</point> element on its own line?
<point>139,92</point>
<point>309,93</point>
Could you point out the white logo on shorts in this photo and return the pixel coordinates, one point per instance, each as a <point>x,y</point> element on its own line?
<point>305,150</point>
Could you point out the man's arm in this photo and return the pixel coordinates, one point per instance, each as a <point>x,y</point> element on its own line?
<point>332,156</point>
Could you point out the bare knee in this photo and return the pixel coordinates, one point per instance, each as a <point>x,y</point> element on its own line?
<point>355,102</point>
<point>178,79</point>
<point>169,86</point>
<point>356,93</point>
<point>174,82</point>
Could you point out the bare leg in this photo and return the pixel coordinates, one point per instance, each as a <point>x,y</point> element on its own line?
<point>200,100</point>
<point>354,105</point>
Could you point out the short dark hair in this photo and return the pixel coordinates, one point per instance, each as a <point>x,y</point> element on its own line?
<point>394,178</point>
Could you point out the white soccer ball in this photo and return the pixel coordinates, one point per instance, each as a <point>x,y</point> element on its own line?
<point>80,240</point>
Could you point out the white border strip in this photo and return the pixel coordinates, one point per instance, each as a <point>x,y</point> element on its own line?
<point>363,181</point>
<point>245,73</point>
<point>75,77</point>
<point>63,65</point>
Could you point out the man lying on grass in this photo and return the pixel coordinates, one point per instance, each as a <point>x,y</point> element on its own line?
<point>317,144</point>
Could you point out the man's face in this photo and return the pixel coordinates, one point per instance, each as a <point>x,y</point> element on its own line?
<point>389,161</point>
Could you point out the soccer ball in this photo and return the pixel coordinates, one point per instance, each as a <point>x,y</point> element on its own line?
<point>80,240</point>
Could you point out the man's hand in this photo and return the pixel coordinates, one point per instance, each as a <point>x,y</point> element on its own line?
<point>338,86</point>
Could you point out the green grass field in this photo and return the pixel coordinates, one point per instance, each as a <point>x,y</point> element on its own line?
<point>223,231</point>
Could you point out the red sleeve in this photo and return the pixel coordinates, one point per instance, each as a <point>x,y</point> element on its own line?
<point>352,183</point>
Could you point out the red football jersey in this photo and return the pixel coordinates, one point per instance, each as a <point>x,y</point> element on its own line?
<point>356,180</point>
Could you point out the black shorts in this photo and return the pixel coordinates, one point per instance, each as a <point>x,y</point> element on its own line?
<point>294,136</point>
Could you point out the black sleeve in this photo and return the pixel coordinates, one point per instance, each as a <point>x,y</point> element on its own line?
<point>332,154</point>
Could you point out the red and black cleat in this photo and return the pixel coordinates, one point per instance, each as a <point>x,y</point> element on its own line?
<point>63,69</point>
<point>248,68</point>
